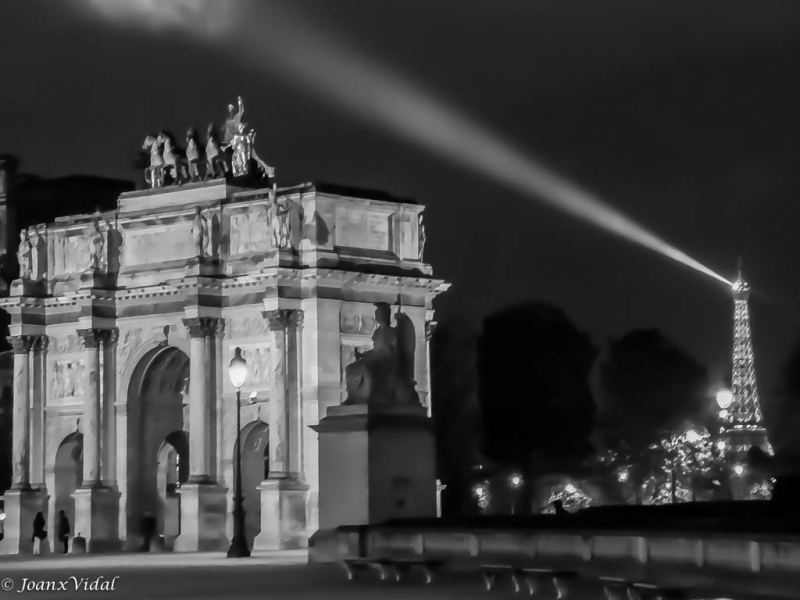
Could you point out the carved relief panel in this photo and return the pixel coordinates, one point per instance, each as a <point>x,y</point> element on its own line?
<point>249,231</point>
<point>162,243</point>
<point>360,228</point>
<point>70,253</point>
<point>246,327</point>
<point>348,353</point>
<point>67,381</point>
<point>357,318</point>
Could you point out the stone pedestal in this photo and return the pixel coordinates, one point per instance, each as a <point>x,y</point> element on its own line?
<point>97,518</point>
<point>375,465</point>
<point>21,507</point>
<point>283,515</point>
<point>203,518</point>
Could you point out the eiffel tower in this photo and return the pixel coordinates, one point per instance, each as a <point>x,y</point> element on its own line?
<point>742,421</point>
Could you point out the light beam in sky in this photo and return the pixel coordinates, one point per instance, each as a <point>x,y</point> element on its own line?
<point>371,91</point>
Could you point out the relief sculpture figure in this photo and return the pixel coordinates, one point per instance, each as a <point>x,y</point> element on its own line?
<point>200,233</point>
<point>97,248</point>
<point>384,376</point>
<point>24,255</point>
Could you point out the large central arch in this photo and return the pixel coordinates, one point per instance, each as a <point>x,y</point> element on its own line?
<point>157,417</point>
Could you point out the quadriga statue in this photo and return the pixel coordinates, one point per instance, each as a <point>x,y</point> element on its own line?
<point>384,376</point>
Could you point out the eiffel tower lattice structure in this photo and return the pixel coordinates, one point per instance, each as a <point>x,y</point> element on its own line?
<point>743,421</point>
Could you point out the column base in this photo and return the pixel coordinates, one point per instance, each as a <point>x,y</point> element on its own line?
<point>97,518</point>
<point>203,518</point>
<point>21,507</point>
<point>283,515</point>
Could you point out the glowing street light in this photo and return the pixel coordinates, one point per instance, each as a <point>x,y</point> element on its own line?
<point>723,414</point>
<point>692,436</point>
<point>724,398</point>
<point>237,373</point>
<point>515,480</point>
<point>721,445</point>
<point>623,475</point>
<point>570,489</point>
<point>738,469</point>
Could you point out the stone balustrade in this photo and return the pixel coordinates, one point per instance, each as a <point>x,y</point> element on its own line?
<point>762,563</point>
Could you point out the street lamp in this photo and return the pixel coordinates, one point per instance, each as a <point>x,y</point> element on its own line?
<point>738,469</point>
<point>724,398</point>
<point>516,481</point>
<point>237,373</point>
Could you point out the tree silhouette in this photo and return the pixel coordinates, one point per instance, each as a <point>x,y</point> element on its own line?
<point>456,411</point>
<point>651,388</point>
<point>536,399</point>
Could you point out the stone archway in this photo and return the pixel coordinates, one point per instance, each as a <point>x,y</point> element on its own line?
<point>157,420</point>
<point>68,472</point>
<point>255,469</point>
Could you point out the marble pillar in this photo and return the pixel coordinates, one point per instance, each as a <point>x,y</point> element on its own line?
<point>96,504</point>
<point>284,493</point>
<point>20,438</point>
<point>21,502</point>
<point>38,401</point>
<point>203,500</point>
<point>108,461</point>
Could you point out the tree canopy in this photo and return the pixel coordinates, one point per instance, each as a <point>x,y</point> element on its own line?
<point>534,388</point>
<point>650,387</point>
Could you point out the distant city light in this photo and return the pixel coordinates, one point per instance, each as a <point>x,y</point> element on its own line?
<point>724,398</point>
<point>693,437</point>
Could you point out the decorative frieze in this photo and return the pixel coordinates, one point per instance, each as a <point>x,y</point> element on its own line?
<point>246,327</point>
<point>67,379</point>
<point>204,327</point>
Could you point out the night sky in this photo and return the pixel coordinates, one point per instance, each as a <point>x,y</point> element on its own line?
<point>682,114</point>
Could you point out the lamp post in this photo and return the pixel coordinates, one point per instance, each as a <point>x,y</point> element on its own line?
<point>516,481</point>
<point>237,372</point>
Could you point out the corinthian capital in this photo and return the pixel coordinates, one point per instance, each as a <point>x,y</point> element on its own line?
<point>40,344</point>
<point>203,327</point>
<point>94,338</point>
<point>283,318</point>
<point>21,343</point>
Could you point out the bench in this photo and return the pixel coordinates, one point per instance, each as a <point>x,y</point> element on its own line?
<point>531,576</point>
<point>616,588</point>
<point>385,567</point>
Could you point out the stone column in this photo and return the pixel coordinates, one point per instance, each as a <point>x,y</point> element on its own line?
<point>90,421</point>
<point>109,413</point>
<point>203,501</point>
<point>20,444</point>
<point>284,493</point>
<point>96,504</point>
<point>38,401</point>
<point>430,327</point>
<point>21,501</point>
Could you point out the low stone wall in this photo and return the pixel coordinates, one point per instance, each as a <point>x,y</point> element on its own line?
<point>740,559</point>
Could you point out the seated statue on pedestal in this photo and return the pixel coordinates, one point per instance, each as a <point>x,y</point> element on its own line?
<point>384,376</point>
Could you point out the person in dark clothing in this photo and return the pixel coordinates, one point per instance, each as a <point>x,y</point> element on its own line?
<point>558,507</point>
<point>63,530</point>
<point>149,527</point>
<point>39,533</point>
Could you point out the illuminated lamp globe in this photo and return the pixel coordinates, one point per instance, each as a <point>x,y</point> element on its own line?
<point>623,475</point>
<point>693,437</point>
<point>237,370</point>
<point>721,445</point>
<point>515,480</point>
<point>724,398</point>
<point>570,489</point>
<point>479,490</point>
<point>723,414</point>
<point>738,469</point>
<point>2,517</point>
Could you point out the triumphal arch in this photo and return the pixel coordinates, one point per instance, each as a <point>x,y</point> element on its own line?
<point>123,325</point>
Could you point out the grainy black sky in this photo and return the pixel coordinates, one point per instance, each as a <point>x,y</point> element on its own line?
<point>681,113</point>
